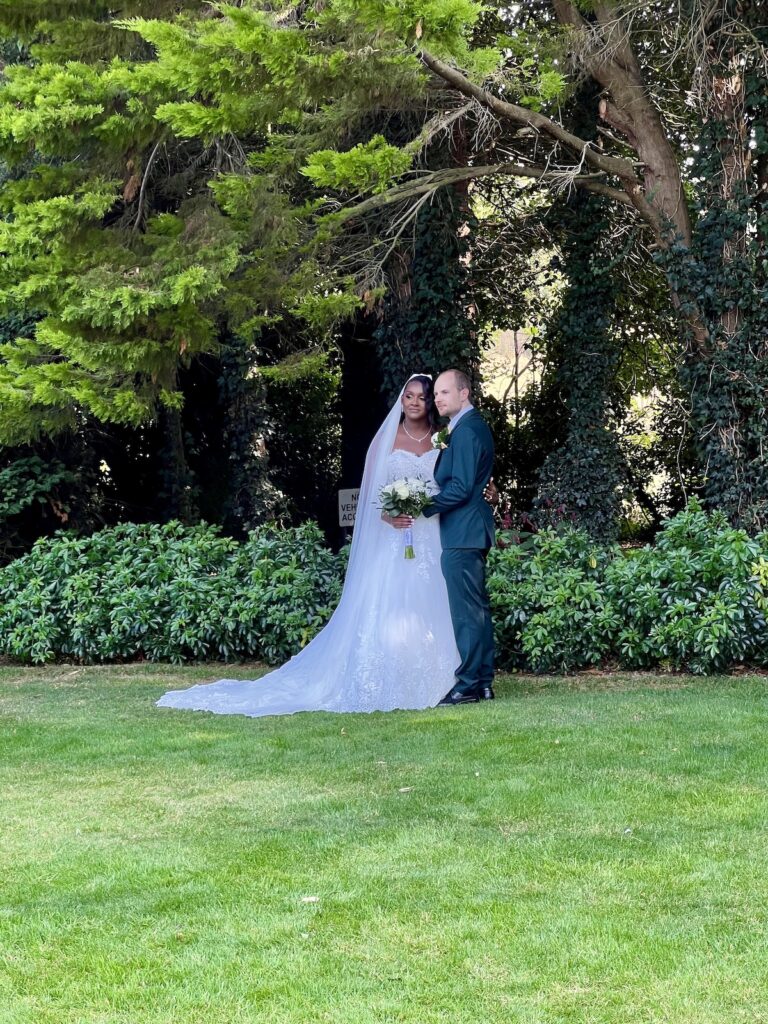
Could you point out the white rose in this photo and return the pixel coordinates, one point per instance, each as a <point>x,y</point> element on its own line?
<point>401,491</point>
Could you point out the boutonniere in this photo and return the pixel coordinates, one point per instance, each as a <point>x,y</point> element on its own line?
<point>441,439</point>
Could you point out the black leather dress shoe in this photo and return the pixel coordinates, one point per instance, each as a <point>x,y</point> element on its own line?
<point>457,697</point>
<point>486,693</point>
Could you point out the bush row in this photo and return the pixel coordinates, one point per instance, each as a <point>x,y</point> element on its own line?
<point>696,599</point>
<point>168,593</point>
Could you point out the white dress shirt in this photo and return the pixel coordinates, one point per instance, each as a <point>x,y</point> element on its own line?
<point>455,419</point>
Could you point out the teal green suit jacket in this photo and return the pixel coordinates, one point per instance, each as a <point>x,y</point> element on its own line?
<point>462,471</point>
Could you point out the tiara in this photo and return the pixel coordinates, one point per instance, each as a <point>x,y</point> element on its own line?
<point>413,375</point>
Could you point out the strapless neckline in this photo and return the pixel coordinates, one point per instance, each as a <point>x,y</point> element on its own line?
<point>416,455</point>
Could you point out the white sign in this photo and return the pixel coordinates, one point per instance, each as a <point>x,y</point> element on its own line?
<point>348,507</point>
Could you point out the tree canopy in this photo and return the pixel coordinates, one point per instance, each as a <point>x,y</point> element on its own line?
<point>189,170</point>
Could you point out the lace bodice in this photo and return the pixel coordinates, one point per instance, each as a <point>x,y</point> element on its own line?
<point>401,463</point>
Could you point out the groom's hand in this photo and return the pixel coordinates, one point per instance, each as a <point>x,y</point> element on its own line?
<point>399,522</point>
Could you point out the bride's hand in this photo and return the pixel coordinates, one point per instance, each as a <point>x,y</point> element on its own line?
<point>399,522</point>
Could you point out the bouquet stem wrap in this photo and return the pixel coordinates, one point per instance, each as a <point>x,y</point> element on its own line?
<point>408,539</point>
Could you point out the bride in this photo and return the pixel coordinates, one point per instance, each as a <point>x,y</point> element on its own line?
<point>390,642</point>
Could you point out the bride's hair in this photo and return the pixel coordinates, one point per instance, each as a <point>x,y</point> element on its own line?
<point>433,417</point>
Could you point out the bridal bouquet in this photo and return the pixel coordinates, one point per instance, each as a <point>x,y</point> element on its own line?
<point>405,497</point>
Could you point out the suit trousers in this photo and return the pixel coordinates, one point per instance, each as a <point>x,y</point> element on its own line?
<point>464,572</point>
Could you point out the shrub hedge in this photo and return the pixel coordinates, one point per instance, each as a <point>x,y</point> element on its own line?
<point>696,599</point>
<point>168,593</point>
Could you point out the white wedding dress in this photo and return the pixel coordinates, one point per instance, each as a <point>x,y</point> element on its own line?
<point>390,642</point>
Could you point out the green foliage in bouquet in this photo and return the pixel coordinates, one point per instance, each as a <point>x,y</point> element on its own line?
<point>405,497</point>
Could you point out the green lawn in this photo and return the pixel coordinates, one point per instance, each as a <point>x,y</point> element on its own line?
<point>591,850</point>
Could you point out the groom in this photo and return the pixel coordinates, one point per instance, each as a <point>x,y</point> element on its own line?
<point>467,532</point>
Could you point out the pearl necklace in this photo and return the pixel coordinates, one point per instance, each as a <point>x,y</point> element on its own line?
<point>417,439</point>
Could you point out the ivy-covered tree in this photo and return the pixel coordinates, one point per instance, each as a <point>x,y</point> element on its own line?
<point>427,322</point>
<point>511,68</point>
<point>584,476</point>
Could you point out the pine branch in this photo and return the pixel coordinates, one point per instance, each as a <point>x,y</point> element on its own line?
<point>143,191</point>
<point>533,119</point>
<point>441,122</point>
<point>607,54</point>
<point>451,176</point>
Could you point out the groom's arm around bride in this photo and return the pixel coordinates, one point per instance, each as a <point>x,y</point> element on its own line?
<point>467,533</point>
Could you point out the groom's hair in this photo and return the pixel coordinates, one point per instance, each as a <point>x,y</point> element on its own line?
<point>462,380</point>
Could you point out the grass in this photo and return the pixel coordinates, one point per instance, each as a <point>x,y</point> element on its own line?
<point>584,850</point>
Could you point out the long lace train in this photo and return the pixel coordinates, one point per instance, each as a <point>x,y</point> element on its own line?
<point>388,645</point>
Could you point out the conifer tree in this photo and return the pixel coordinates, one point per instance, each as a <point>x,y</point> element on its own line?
<point>129,238</point>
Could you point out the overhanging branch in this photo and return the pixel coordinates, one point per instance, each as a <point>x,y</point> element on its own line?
<point>453,175</point>
<point>531,118</point>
